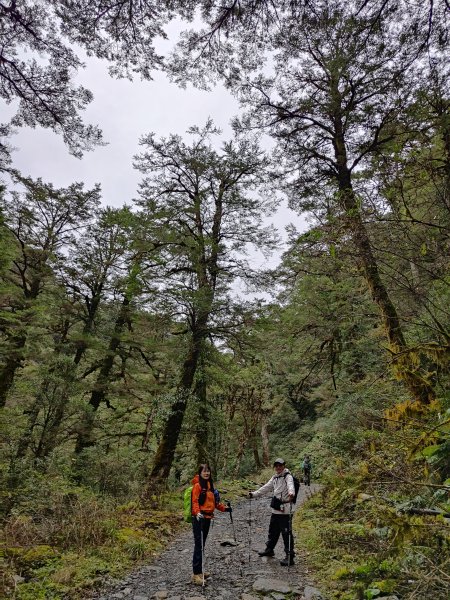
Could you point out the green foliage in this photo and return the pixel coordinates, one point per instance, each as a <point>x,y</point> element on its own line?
<point>120,474</point>
<point>367,510</point>
<point>71,539</point>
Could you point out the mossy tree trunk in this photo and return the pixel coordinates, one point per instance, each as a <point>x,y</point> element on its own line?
<point>165,453</point>
<point>403,361</point>
<point>100,392</point>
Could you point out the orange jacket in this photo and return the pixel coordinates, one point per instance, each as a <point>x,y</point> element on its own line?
<point>207,508</point>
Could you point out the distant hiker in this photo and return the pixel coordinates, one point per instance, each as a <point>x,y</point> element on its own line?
<point>204,501</point>
<point>306,469</point>
<point>281,486</point>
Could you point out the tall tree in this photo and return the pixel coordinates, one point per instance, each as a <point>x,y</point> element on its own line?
<point>204,211</point>
<point>118,267</point>
<point>44,222</point>
<point>93,269</point>
<point>343,79</point>
<point>85,280</point>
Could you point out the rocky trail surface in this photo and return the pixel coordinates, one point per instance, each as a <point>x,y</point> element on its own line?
<point>237,572</point>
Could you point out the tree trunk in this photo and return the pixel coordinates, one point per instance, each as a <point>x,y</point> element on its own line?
<point>92,311</point>
<point>67,378</point>
<point>256,453</point>
<point>265,441</point>
<point>404,366</point>
<point>202,418</point>
<point>166,450</point>
<point>242,445</point>
<point>13,362</point>
<point>100,391</point>
<point>25,440</point>
<point>49,436</point>
<point>148,430</point>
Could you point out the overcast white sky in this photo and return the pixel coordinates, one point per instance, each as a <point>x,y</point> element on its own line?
<point>125,110</point>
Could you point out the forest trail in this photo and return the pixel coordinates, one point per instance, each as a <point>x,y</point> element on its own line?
<point>237,572</point>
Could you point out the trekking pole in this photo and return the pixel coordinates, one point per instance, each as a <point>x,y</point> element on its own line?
<point>203,554</point>
<point>290,537</point>
<point>249,529</point>
<point>228,503</point>
<point>232,522</point>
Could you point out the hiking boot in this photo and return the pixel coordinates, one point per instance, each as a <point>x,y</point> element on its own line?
<point>266,552</point>
<point>197,579</point>
<point>207,575</point>
<point>288,561</point>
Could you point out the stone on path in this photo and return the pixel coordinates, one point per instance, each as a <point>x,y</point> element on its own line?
<point>265,586</point>
<point>161,595</point>
<point>228,542</point>
<point>312,593</point>
<point>249,597</point>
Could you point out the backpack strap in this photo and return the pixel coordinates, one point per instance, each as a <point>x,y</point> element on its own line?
<point>285,475</point>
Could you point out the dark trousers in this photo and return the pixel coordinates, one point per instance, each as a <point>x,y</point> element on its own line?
<point>199,528</point>
<point>281,524</point>
<point>307,476</point>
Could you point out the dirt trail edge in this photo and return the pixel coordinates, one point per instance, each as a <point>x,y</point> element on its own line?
<point>237,572</point>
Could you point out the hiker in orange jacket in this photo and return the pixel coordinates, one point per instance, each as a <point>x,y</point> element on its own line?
<point>205,499</point>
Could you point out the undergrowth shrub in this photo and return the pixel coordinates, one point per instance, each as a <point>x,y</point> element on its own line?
<point>61,539</point>
<point>361,531</point>
<point>119,474</point>
<point>60,517</point>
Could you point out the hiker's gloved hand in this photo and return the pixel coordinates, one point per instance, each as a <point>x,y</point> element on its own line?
<point>291,497</point>
<point>250,494</point>
<point>199,517</point>
<point>229,509</point>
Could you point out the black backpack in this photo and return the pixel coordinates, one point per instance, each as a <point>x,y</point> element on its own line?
<point>296,485</point>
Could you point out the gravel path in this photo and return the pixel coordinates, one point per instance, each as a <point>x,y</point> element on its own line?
<point>237,572</point>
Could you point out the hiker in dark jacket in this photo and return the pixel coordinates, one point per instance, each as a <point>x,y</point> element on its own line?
<point>281,487</point>
<point>204,502</point>
<point>306,468</point>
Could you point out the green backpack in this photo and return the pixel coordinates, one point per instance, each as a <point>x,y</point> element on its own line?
<point>187,505</point>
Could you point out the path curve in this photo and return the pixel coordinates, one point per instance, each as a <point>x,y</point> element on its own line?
<point>237,572</point>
